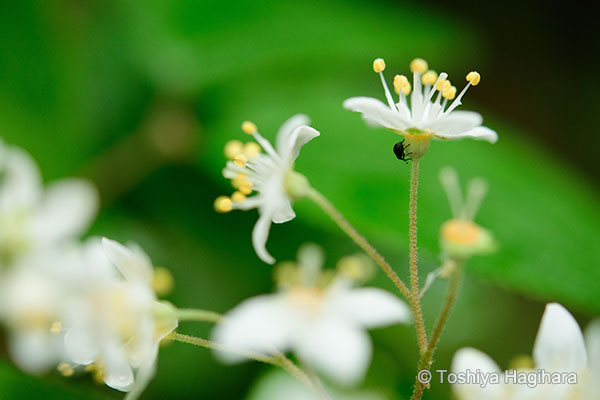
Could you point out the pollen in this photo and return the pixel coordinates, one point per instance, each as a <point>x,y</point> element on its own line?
<point>223,204</point>
<point>378,65</point>
<point>429,77</point>
<point>56,327</point>
<point>233,148</point>
<point>162,281</point>
<point>449,92</point>
<point>251,150</point>
<point>464,233</point>
<point>249,127</point>
<point>419,66</point>
<point>443,84</point>
<point>65,369</point>
<point>240,160</point>
<point>473,78</point>
<point>238,197</point>
<point>401,84</point>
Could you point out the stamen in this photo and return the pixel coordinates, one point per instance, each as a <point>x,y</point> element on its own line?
<point>251,150</point>
<point>429,77</point>
<point>249,127</point>
<point>401,84</point>
<point>378,65</point>
<point>232,149</point>
<point>65,369</point>
<point>223,204</point>
<point>56,327</point>
<point>238,197</point>
<point>240,160</point>
<point>449,92</point>
<point>473,78</point>
<point>419,66</point>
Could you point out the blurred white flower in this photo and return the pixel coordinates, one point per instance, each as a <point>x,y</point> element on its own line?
<point>113,322</point>
<point>559,347</point>
<point>319,316</point>
<point>425,117</point>
<point>271,175</point>
<point>32,217</point>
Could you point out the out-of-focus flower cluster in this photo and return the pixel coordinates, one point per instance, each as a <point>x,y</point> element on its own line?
<point>71,304</point>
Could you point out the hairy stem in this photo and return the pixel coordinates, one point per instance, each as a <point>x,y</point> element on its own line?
<point>339,219</point>
<point>427,357</point>
<point>192,314</point>
<point>279,360</point>
<point>415,300</point>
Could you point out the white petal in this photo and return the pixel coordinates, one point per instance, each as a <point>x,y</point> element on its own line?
<point>134,264</point>
<point>34,351</point>
<point>299,137</point>
<point>21,182</point>
<point>283,213</point>
<point>469,359</point>
<point>339,350</point>
<point>260,234</point>
<point>261,324</point>
<point>80,346</point>
<point>67,209</point>
<point>118,373</point>
<point>284,133</point>
<point>373,307</point>
<point>480,133</point>
<point>455,123</point>
<point>375,110</point>
<point>559,345</point>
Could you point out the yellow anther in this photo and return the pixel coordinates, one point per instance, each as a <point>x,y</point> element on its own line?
<point>473,78</point>
<point>245,188</point>
<point>251,150</point>
<point>378,65</point>
<point>223,204</point>
<point>240,160</point>
<point>56,327</point>
<point>90,367</point>
<point>65,369</point>
<point>419,66</point>
<point>449,93</point>
<point>429,77</point>
<point>401,84</point>
<point>162,281</point>
<point>238,197</point>
<point>249,127</point>
<point>233,148</point>
<point>240,180</point>
<point>443,84</point>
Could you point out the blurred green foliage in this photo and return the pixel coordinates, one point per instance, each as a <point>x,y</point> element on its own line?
<point>141,97</point>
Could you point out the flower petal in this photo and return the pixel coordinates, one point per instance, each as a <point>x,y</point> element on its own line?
<point>34,351</point>
<point>79,346</point>
<point>21,181</point>
<point>373,307</point>
<point>134,264</point>
<point>284,133</point>
<point>261,324</point>
<point>374,110</point>
<point>337,349</point>
<point>260,234</point>
<point>470,359</point>
<point>559,345</point>
<point>480,133</point>
<point>299,137</point>
<point>118,372</point>
<point>67,209</point>
<point>455,123</point>
<point>283,212</point>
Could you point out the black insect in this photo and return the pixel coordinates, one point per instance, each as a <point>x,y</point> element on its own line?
<point>401,153</point>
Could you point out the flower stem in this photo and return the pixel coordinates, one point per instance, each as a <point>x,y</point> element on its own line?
<point>415,300</point>
<point>280,360</point>
<point>426,358</point>
<point>192,314</point>
<point>339,219</point>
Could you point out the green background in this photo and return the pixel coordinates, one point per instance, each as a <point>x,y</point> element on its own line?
<point>140,97</point>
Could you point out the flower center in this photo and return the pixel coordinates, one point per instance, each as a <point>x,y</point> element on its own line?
<point>307,299</point>
<point>465,233</point>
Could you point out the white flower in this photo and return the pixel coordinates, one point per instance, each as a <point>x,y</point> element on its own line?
<point>114,322</point>
<point>31,217</point>
<point>271,175</point>
<point>559,347</point>
<point>428,114</point>
<point>318,316</point>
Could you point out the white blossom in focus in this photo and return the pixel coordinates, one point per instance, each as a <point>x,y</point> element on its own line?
<point>317,315</point>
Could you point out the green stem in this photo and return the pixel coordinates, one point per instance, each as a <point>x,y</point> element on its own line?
<point>415,300</point>
<point>279,360</point>
<point>427,357</point>
<point>192,314</point>
<point>339,219</point>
